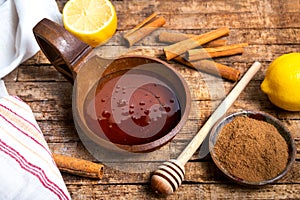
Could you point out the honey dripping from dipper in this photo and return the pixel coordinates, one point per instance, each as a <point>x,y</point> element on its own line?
<point>132,107</point>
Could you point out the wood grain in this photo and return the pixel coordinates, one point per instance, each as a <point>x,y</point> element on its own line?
<point>271,28</point>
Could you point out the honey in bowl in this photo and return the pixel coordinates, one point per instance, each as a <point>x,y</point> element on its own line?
<point>132,107</point>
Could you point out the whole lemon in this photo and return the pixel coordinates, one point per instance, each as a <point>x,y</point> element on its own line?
<point>282,82</point>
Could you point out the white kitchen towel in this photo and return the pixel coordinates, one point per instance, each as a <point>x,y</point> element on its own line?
<point>27,168</point>
<point>17,18</point>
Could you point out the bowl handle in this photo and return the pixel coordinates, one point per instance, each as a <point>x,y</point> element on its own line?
<point>62,49</point>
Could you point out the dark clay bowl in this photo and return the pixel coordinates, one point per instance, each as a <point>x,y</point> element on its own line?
<point>131,142</point>
<point>258,116</point>
<point>90,73</point>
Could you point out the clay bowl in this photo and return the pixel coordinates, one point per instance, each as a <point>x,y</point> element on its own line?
<point>258,116</point>
<point>137,136</point>
<point>138,122</point>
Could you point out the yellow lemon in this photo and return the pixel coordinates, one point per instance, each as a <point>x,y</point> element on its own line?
<point>282,82</point>
<point>92,21</point>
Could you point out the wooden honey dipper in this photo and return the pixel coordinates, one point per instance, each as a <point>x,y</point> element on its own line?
<point>169,176</point>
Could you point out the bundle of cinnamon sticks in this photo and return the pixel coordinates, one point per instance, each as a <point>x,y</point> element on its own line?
<point>194,51</point>
<point>144,28</point>
<point>187,49</point>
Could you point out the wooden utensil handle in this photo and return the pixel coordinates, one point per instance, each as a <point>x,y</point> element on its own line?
<point>168,177</point>
<point>61,48</point>
<point>187,153</point>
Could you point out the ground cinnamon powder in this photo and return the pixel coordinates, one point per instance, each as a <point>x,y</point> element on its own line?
<point>252,150</point>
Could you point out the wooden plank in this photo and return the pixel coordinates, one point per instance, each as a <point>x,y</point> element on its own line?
<point>252,53</point>
<point>185,7</point>
<point>199,84</point>
<point>283,38</point>
<point>254,20</point>
<point>214,13</point>
<point>28,73</point>
<point>196,172</point>
<point>171,150</point>
<point>52,101</point>
<point>204,7</point>
<point>64,131</point>
<point>200,110</point>
<point>208,6</point>
<point>57,132</point>
<point>38,59</point>
<point>267,36</point>
<point>60,131</point>
<point>186,191</point>
<point>41,91</point>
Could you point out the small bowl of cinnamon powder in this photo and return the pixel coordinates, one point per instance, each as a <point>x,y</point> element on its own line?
<point>252,148</point>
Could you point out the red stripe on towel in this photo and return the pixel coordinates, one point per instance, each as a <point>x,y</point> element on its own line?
<point>21,131</point>
<point>31,124</point>
<point>34,170</point>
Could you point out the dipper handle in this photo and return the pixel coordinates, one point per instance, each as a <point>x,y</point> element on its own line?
<point>169,176</point>
<point>62,49</point>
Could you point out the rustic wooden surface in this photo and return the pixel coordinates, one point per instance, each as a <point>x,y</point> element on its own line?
<point>271,27</point>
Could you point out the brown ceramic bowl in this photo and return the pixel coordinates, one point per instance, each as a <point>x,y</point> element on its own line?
<point>138,121</point>
<point>119,137</point>
<point>258,116</point>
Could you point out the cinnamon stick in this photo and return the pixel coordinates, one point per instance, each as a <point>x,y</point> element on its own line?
<point>140,25</point>
<point>143,29</point>
<point>169,37</point>
<point>215,43</point>
<point>78,166</point>
<point>179,48</point>
<point>204,53</point>
<point>211,67</point>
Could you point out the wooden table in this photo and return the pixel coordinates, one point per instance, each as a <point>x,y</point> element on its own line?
<point>271,28</point>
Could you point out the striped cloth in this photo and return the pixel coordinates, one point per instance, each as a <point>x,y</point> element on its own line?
<point>27,168</point>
